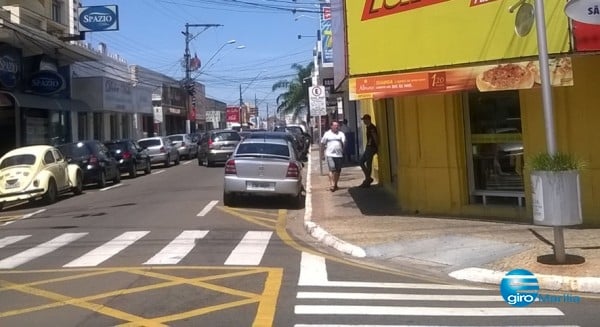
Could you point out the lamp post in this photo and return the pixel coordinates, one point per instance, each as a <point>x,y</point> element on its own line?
<point>241,93</point>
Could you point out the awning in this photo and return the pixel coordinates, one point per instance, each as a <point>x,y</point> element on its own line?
<point>41,102</point>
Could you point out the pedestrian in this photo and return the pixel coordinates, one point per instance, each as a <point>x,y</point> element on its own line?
<point>332,149</point>
<point>346,130</point>
<point>366,160</point>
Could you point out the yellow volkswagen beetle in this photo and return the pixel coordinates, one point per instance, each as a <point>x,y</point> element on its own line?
<point>37,172</point>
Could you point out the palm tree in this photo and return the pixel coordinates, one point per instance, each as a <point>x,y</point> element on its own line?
<point>295,99</point>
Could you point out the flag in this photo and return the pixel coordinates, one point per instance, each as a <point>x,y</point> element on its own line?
<point>195,63</point>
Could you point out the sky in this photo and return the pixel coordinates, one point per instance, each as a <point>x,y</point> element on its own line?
<point>265,33</point>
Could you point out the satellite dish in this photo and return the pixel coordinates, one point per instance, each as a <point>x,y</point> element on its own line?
<point>524,19</point>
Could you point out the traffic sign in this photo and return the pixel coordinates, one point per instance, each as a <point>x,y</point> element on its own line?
<point>317,101</point>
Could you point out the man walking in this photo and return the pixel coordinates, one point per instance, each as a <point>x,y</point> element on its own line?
<point>366,160</point>
<point>332,148</point>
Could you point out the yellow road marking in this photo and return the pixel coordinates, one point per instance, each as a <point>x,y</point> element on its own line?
<point>252,219</point>
<point>9,218</point>
<point>260,212</point>
<point>265,314</point>
<point>54,280</point>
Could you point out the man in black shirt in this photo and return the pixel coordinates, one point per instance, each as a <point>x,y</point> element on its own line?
<point>366,160</point>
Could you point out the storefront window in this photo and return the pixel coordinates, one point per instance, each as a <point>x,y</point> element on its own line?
<point>98,126</point>
<point>496,147</point>
<point>82,125</point>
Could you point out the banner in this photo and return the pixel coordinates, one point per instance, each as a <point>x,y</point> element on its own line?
<point>509,76</point>
<point>232,114</point>
<point>396,35</point>
<point>326,35</point>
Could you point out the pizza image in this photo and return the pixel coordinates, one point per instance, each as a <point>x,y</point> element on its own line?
<point>561,71</point>
<point>505,77</point>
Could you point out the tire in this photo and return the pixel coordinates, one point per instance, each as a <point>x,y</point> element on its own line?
<point>177,160</point>
<point>228,199</point>
<point>51,193</point>
<point>200,163</point>
<point>102,180</point>
<point>168,162</point>
<point>296,201</point>
<point>117,178</point>
<point>148,168</point>
<point>133,170</point>
<point>78,188</point>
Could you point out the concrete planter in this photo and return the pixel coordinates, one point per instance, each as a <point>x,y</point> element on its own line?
<point>556,198</point>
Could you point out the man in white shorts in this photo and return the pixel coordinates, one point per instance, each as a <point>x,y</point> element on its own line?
<point>332,149</point>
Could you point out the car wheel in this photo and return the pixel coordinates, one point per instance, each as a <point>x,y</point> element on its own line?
<point>167,162</point>
<point>177,160</point>
<point>133,170</point>
<point>78,188</point>
<point>228,199</point>
<point>297,201</point>
<point>117,178</point>
<point>102,179</point>
<point>51,192</point>
<point>148,168</point>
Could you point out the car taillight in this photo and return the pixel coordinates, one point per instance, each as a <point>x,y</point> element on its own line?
<point>293,171</point>
<point>93,160</point>
<point>210,143</point>
<point>163,150</point>
<point>230,167</point>
<point>126,155</point>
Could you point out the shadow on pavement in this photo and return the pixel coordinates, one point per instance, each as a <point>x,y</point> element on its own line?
<point>375,201</point>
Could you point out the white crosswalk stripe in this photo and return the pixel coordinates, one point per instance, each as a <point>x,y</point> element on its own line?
<point>329,301</point>
<point>247,251</point>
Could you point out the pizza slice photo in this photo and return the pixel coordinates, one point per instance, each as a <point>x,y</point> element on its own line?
<point>505,77</point>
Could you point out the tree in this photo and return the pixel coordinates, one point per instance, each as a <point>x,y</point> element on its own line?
<point>294,99</point>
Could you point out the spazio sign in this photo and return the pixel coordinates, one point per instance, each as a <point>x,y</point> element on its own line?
<point>98,18</point>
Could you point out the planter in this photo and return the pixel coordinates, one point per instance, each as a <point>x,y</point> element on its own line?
<point>556,198</point>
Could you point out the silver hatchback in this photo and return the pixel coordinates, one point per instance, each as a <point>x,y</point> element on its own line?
<point>161,150</point>
<point>263,167</point>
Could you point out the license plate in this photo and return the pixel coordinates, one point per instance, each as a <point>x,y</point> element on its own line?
<point>261,186</point>
<point>15,185</point>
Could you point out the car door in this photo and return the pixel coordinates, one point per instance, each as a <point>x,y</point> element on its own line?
<point>62,175</point>
<point>54,168</point>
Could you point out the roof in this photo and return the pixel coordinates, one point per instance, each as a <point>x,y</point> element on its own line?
<point>28,150</point>
<point>265,140</point>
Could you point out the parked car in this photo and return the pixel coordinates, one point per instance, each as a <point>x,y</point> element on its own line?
<point>161,150</point>
<point>185,145</point>
<point>303,141</point>
<point>38,171</point>
<point>216,146</point>
<point>263,167</point>
<point>298,147</point>
<point>130,156</point>
<point>94,159</point>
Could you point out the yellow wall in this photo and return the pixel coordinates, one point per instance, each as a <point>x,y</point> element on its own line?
<point>577,119</point>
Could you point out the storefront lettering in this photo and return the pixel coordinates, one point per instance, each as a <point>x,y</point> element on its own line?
<point>593,10</point>
<point>8,65</point>
<point>380,8</point>
<point>46,82</point>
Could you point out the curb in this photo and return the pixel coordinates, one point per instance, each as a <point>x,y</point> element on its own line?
<point>319,233</point>
<point>546,282</point>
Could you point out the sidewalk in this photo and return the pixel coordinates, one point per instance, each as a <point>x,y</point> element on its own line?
<point>365,223</point>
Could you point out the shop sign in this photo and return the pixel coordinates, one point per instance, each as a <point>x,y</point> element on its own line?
<point>232,114</point>
<point>586,37</point>
<point>585,11</point>
<point>175,111</point>
<point>9,69</point>
<point>98,18</point>
<point>158,115</point>
<point>397,35</point>
<point>46,82</point>
<point>506,76</point>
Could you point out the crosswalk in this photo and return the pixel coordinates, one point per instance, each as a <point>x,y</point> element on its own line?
<point>247,251</point>
<point>325,303</point>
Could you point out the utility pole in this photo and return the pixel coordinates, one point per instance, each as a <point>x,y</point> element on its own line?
<point>241,104</point>
<point>189,85</point>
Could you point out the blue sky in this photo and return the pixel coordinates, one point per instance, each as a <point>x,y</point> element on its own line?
<point>150,35</point>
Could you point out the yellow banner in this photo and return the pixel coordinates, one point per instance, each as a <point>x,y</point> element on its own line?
<point>395,35</point>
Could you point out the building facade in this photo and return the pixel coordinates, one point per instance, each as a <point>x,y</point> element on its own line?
<point>458,123</point>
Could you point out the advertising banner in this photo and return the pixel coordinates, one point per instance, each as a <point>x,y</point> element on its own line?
<point>386,35</point>
<point>98,18</point>
<point>586,36</point>
<point>338,28</point>
<point>509,76</point>
<point>326,35</point>
<point>232,114</point>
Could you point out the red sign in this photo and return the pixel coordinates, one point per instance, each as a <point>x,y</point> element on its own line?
<point>232,114</point>
<point>587,36</point>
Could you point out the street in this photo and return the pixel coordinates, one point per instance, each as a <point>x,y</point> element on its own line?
<point>161,250</point>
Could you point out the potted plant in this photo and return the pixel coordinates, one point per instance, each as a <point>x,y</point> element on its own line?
<point>556,198</point>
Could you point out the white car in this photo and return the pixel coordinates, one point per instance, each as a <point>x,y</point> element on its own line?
<point>38,171</point>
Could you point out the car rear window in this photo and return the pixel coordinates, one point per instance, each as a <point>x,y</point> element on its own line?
<point>116,146</point>
<point>148,143</point>
<point>22,159</point>
<point>226,136</point>
<point>176,138</point>
<point>75,150</point>
<point>264,148</point>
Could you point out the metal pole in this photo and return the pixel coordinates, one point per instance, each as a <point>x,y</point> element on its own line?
<point>540,24</point>
<point>320,158</point>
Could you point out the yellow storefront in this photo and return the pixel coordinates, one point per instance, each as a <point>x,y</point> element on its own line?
<point>449,147</point>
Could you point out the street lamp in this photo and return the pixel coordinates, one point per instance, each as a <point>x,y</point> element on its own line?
<point>207,67</point>
<point>216,53</point>
<point>241,92</point>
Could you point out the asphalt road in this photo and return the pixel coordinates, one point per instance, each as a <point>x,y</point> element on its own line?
<point>161,250</point>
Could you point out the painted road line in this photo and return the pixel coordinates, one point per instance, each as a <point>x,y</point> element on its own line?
<point>207,209</point>
<point>178,248</point>
<point>424,311</point>
<point>398,297</point>
<point>29,215</point>
<point>313,272</point>
<point>111,187</point>
<point>338,325</point>
<point>250,250</point>
<point>12,239</point>
<point>158,172</point>
<point>15,204</point>
<point>40,250</point>
<point>187,162</point>
<point>107,250</point>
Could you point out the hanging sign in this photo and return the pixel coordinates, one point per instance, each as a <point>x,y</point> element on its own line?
<point>585,11</point>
